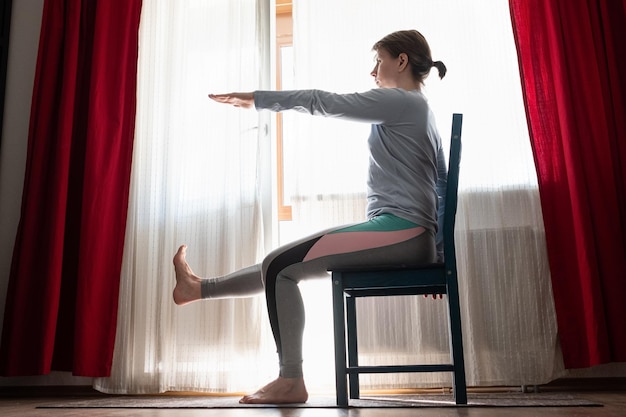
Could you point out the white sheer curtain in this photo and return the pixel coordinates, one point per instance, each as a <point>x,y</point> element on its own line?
<point>195,180</point>
<point>509,321</point>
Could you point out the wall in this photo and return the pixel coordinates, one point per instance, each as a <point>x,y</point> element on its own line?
<point>25,24</point>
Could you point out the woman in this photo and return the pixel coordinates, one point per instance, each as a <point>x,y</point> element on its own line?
<point>405,154</point>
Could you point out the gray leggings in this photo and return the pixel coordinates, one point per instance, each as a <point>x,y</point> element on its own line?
<point>283,268</point>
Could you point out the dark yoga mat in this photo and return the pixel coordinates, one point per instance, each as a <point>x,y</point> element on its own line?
<point>387,401</point>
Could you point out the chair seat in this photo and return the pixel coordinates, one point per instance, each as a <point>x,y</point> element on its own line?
<point>429,279</point>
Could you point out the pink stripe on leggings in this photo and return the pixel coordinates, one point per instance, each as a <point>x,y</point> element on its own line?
<point>345,242</point>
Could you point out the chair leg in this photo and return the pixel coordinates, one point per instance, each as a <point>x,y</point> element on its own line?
<point>340,341</point>
<point>353,350</point>
<point>456,342</point>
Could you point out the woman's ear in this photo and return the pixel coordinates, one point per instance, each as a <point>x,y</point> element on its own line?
<point>403,61</point>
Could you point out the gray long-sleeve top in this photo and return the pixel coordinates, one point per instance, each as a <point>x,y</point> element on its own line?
<point>404,144</point>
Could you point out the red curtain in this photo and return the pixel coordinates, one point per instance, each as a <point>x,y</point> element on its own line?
<point>62,298</point>
<point>573,67</point>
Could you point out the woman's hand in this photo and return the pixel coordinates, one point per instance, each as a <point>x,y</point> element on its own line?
<point>244,100</point>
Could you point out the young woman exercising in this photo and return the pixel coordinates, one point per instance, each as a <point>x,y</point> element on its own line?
<point>405,154</point>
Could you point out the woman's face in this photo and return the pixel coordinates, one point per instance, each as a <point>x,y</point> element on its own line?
<point>385,71</point>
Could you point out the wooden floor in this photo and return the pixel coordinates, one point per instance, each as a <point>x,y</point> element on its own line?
<point>17,403</point>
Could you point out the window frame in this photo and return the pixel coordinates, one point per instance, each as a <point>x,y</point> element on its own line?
<point>284,37</point>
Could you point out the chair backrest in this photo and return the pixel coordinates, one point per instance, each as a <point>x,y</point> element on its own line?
<point>449,216</point>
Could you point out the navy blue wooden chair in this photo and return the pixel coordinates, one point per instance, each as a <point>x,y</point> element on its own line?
<point>436,279</point>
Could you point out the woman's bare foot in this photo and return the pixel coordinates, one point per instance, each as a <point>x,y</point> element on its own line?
<point>187,283</point>
<point>280,391</point>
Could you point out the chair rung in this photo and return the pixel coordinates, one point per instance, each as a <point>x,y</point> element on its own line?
<point>376,292</point>
<point>399,369</point>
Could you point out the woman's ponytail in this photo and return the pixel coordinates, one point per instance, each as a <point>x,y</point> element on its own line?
<point>441,68</point>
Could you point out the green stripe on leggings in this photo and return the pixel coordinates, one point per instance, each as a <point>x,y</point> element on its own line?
<point>383,223</point>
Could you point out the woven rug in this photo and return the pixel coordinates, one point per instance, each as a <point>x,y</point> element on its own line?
<point>387,401</point>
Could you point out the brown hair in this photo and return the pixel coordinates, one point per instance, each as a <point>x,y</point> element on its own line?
<point>415,46</point>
